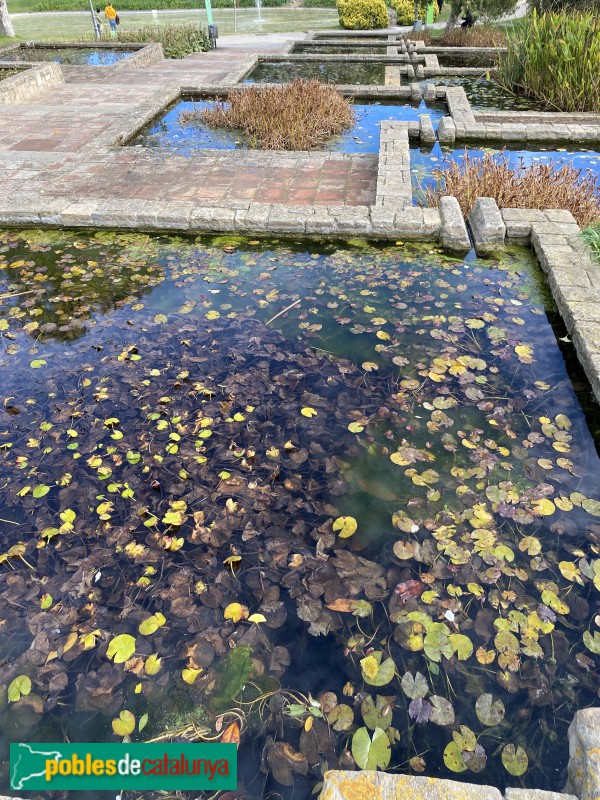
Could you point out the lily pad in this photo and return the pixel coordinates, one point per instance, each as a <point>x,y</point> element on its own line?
<point>515,759</point>
<point>371,753</point>
<point>489,711</point>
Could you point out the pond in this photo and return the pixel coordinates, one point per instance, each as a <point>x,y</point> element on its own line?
<point>423,161</point>
<point>466,59</point>
<point>337,487</point>
<point>341,49</point>
<point>68,55</point>
<point>7,73</point>
<point>344,72</point>
<point>483,92</point>
<point>186,139</point>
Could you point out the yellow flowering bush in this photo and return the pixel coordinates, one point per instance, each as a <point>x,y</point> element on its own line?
<point>362,15</point>
<point>406,10</point>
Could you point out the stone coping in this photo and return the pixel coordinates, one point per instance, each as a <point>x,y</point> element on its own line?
<point>144,54</point>
<point>30,82</point>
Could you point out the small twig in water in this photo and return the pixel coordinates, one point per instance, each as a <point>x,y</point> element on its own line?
<point>295,303</point>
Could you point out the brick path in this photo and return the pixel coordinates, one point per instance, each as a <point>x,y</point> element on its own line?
<point>46,146</point>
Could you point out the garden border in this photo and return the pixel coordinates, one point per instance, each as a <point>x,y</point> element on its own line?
<point>30,82</point>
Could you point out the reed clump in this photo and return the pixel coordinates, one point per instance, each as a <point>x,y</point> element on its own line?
<point>555,58</point>
<point>296,116</point>
<point>541,186</point>
<point>477,36</point>
<point>178,41</point>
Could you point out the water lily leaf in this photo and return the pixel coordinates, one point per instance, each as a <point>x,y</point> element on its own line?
<point>190,675</point>
<point>41,490</point>
<point>553,601</point>
<point>124,724</point>
<point>416,686</point>
<point>257,618</point>
<point>235,612</point>
<point>121,648</point>
<point>461,645</point>
<point>488,711</point>
<point>476,759</point>
<point>544,507</point>
<point>453,758</point>
<point>161,319</point>
<point>309,412</point>
<point>592,642</point>
<point>376,673</point>
<point>378,713</point>
<point>341,717</point>
<point>437,642</point>
<point>152,624</point>
<point>515,760</point>
<point>355,427</point>
<point>371,753</point>
<point>419,710</point>
<point>153,664</point>
<point>143,721</point>
<point>19,687</point>
<point>442,712</point>
<point>403,550</point>
<point>346,526</point>
<point>37,363</point>
<point>46,601</point>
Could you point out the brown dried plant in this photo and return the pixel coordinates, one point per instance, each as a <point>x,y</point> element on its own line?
<point>477,36</point>
<point>297,116</point>
<point>540,186</point>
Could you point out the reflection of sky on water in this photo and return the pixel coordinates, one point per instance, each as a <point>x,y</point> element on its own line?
<point>424,162</point>
<point>79,56</point>
<point>363,137</point>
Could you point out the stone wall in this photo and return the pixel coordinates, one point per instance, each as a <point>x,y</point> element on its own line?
<point>22,87</point>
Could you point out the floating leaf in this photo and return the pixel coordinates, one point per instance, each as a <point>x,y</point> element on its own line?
<point>416,686</point>
<point>515,760</point>
<point>341,717</point>
<point>257,618</point>
<point>371,753</point>
<point>142,722</point>
<point>231,734</point>
<point>592,642</point>
<point>153,664</point>
<point>235,612</point>
<point>346,526</point>
<point>121,648</point>
<point>378,713</point>
<point>152,624</point>
<point>309,412</point>
<point>46,601</point>
<point>488,711</point>
<point>41,490</point>
<point>442,712</point>
<point>124,724</point>
<point>355,427</point>
<point>19,687</point>
<point>375,672</point>
<point>190,675</point>
<point>461,645</point>
<point>453,758</point>
<point>37,363</point>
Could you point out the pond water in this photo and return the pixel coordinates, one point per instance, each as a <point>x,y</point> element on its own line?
<point>347,49</point>
<point>187,138</point>
<point>7,73</point>
<point>466,59</point>
<point>398,461</point>
<point>425,161</point>
<point>345,72</point>
<point>68,55</point>
<point>486,93</point>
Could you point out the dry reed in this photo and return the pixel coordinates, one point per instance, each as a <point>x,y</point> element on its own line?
<point>477,36</point>
<point>540,186</point>
<point>297,116</point>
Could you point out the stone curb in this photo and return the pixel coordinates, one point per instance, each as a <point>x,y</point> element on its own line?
<point>25,85</point>
<point>487,226</point>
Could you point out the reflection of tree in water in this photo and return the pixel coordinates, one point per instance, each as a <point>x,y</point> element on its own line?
<point>53,291</point>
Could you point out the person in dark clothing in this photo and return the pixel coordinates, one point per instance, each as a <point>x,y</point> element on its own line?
<point>468,19</point>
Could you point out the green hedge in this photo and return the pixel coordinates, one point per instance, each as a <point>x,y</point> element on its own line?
<point>362,15</point>
<point>319,3</point>
<point>150,5</point>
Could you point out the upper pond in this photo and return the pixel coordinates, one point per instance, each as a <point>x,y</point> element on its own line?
<point>484,92</point>
<point>341,49</point>
<point>67,55</point>
<point>187,138</point>
<point>333,482</point>
<point>343,72</point>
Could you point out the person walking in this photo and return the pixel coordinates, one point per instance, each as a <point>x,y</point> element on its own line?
<point>98,23</point>
<point>111,15</point>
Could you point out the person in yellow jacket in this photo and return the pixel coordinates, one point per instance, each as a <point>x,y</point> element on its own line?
<point>111,15</point>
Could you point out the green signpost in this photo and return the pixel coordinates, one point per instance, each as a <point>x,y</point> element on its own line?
<point>428,14</point>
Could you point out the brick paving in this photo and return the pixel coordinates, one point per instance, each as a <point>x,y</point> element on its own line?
<point>48,146</point>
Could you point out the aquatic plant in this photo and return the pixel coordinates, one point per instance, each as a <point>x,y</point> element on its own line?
<point>294,116</point>
<point>349,486</point>
<point>177,41</point>
<point>538,186</point>
<point>592,236</point>
<point>555,58</point>
<point>362,14</point>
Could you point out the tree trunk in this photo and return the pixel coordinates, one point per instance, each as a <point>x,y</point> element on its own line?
<point>455,9</point>
<point>6,28</point>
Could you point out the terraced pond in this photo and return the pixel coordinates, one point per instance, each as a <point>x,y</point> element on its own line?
<point>348,490</point>
<point>187,138</point>
<point>343,72</point>
<point>483,92</point>
<point>67,55</point>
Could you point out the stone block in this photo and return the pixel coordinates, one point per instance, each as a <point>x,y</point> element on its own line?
<point>341,785</point>
<point>212,219</point>
<point>487,225</point>
<point>536,794</point>
<point>584,755</point>
<point>430,93</point>
<point>427,133</point>
<point>446,132</point>
<point>560,215</point>
<point>453,234</point>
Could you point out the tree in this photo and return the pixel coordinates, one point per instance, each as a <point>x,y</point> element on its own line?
<point>488,9</point>
<point>6,28</point>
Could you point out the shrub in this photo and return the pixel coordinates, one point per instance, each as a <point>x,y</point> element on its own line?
<point>295,116</point>
<point>319,3</point>
<point>362,15</point>
<point>540,186</point>
<point>406,10</point>
<point>178,41</point>
<point>555,59</point>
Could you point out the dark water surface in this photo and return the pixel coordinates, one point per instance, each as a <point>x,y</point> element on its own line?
<point>483,92</point>
<point>397,468</point>
<point>344,72</point>
<point>68,55</point>
<point>186,139</point>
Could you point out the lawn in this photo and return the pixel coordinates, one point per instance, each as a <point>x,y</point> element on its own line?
<point>274,20</point>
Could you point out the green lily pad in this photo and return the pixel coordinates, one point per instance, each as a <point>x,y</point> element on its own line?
<point>378,713</point>
<point>453,758</point>
<point>515,760</point>
<point>19,687</point>
<point>414,687</point>
<point>488,711</point>
<point>376,673</point>
<point>124,724</point>
<point>371,753</point>
<point>442,711</point>
<point>341,717</point>
<point>121,648</point>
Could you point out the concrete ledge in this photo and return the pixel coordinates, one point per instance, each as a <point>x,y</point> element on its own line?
<point>454,234</point>
<point>487,226</point>
<point>25,85</point>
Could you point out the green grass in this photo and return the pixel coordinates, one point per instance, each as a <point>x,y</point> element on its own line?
<point>62,27</point>
<point>592,237</point>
